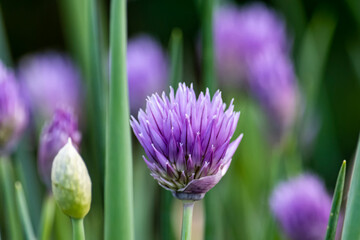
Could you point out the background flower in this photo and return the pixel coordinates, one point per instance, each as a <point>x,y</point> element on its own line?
<point>302,207</point>
<point>51,81</point>
<point>240,34</point>
<point>147,70</point>
<point>13,113</point>
<point>272,82</point>
<point>53,137</point>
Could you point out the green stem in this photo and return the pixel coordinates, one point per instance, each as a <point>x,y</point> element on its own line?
<point>12,222</point>
<point>207,45</point>
<point>187,220</point>
<point>351,229</point>
<point>119,213</point>
<point>47,217</point>
<point>176,53</point>
<point>62,225</point>
<point>336,204</point>
<point>96,84</point>
<point>78,229</point>
<point>24,211</point>
<point>166,199</point>
<point>4,46</point>
<point>28,175</point>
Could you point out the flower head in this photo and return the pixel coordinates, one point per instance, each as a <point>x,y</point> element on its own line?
<point>71,182</point>
<point>302,207</point>
<point>240,34</point>
<point>53,137</point>
<point>51,81</point>
<point>147,69</point>
<point>13,113</point>
<point>272,82</point>
<point>187,139</point>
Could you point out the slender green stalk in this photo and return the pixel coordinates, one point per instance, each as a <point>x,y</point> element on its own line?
<point>78,229</point>
<point>96,84</point>
<point>4,46</point>
<point>187,220</point>
<point>24,211</point>
<point>166,199</point>
<point>336,204</point>
<point>208,70</point>
<point>47,217</point>
<point>28,175</point>
<point>176,53</point>
<point>351,228</point>
<point>62,225</point>
<point>119,219</point>
<point>7,179</point>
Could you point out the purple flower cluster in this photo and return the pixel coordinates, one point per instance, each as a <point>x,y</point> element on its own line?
<point>53,137</point>
<point>147,70</point>
<point>272,81</point>
<point>187,139</point>
<point>251,49</point>
<point>239,34</point>
<point>13,113</point>
<point>51,81</point>
<point>302,207</point>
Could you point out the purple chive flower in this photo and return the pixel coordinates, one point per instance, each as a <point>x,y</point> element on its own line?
<point>273,82</point>
<point>51,81</point>
<point>302,207</point>
<point>147,70</point>
<point>241,33</point>
<point>187,140</point>
<point>53,137</point>
<point>13,113</point>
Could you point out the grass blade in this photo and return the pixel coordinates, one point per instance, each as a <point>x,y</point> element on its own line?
<point>176,53</point>
<point>351,228</point>
<point>7,179</point>
<point>47,218</point>
<point>208,70</point>
<point>5,55</point>
<point>24,211</point>
<point>336,204</point>
<point>118,167</point>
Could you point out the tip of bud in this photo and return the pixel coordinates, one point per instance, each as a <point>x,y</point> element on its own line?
<point>71,184</point>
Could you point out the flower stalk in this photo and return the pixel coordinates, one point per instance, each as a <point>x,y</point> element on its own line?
<point>47,218</point>
<point>13,224</point>
<point>4,45</point>
<point>24,211</point>
<point>187,220</point>
<point>78,229</point>
<point>119,219</point>
<point>176,53</point>
<point>207,44</point>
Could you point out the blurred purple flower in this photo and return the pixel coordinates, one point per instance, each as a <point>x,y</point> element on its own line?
<point>272,81</point>
<point>13,113</point>
<point>302,207</point>
<point>251,44</point>
<point>147,70</point>
<point>187,140</point>
<point>53,137</point>
<point>241,33</point>
<point>51,81</point>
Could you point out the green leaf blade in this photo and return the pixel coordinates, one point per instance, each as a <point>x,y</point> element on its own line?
<point>336,203</point>
<point>351,228</point>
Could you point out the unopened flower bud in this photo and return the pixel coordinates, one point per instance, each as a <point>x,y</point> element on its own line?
<point>71,182</point>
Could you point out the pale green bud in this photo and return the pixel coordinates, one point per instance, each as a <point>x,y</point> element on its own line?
<point>71,182</point>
